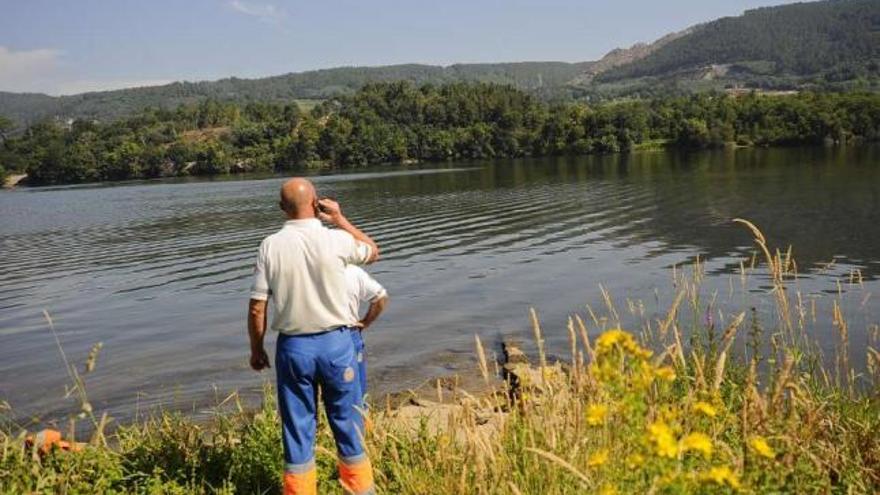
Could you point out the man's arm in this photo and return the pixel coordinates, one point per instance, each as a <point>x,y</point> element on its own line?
<point>332,213</point>
<point>256,332</point>
<point>376,308</point>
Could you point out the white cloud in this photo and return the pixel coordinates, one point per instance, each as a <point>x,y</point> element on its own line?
<point>27,70</point>
<point>87,86</point>
<point>42,71</point>
<point>265,12</point>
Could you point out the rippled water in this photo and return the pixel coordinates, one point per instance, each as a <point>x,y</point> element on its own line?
<point>159,272</point>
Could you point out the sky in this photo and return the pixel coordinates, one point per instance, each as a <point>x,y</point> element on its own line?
<point>74,46</point>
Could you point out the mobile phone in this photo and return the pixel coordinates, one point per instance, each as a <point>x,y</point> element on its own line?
<point>321,208</point>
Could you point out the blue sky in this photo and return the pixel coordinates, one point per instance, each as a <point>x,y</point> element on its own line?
<point>71,46</point>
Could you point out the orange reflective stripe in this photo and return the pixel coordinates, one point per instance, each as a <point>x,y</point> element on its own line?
<point>305,483</point>
<point>49,439</point>
<point>45,440</point>
<point>356,478</point>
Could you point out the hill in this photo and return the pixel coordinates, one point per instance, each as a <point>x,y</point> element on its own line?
<point>544,78</point>
<point>805,43</point>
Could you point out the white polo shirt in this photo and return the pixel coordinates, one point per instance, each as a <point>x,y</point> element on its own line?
<point>302,268</point>
<point>362,288</point>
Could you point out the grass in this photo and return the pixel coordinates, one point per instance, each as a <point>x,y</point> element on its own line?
<point>679,405</point>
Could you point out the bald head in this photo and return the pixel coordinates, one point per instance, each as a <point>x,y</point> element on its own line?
<point>298,198</point>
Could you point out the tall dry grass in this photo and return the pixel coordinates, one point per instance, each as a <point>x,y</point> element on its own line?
<point>672,407</point>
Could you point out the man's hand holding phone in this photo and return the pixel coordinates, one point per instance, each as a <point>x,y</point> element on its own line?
<point>329,211</point>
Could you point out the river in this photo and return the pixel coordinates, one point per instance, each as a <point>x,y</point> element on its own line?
<point>159,271</point>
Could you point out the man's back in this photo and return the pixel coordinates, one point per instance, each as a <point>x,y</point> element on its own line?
<point>302,266</point>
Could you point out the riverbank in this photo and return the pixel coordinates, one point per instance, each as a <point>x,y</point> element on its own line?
<point>685,404</point>
<point>628,422</point>
<point>401,122</point>
<point>13,180</point>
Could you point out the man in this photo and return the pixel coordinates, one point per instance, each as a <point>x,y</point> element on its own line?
<point>302,268</point>
<point>362,288</point>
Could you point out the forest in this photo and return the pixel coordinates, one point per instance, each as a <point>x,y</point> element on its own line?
<point>827,42</point>
<point>401,123</point>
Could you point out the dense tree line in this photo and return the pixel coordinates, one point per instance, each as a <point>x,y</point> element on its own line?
<point>398,122</point>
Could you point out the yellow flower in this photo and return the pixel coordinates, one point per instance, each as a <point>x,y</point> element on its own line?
<point>644,377</point>
<point>699,442</point>
<point>662,437</point>
<point>665,373</point>
<point>596,414</point>
<point>611,338</point>
<point>604,371</point>
<point>637,350</point>
<point>617,337</point>
<point>635,461</point>
<point>598,458</point>
<point>705,408</point>
<point>668,413</point>
<point>761,447</point>
<point>608,490</point>
<point>722,475</point>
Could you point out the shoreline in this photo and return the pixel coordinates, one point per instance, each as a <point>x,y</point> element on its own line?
<point>14,180</point>
<point>329,169</point>
<point>616,417</point>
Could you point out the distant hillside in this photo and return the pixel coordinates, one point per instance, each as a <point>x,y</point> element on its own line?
<point>623,56</point>
<point>827,41</point>
<point>541,77</point>
<point>831,44</point>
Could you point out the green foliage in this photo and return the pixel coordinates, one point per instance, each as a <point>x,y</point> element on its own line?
<point>542,78</point>
<point>401,122</point>
<point>6,127</point>
<point>828,41</point>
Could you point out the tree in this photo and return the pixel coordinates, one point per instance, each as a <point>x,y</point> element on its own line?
<point>694,134</point>
<point>6,127</point>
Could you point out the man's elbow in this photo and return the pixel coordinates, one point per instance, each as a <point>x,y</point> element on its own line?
<point>374,254</point>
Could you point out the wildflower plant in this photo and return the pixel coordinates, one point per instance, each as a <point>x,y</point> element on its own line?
<point>667,439</point>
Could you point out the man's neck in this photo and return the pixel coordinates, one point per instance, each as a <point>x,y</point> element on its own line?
<point>301,217</point>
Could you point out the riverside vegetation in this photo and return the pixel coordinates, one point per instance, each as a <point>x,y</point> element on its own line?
<point>400,122</point>
<point>678,406</point>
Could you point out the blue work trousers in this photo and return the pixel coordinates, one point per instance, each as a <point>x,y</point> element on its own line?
<point>358,338</point>
<point>302,362</point>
